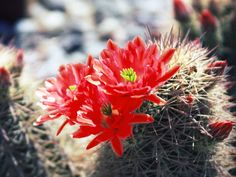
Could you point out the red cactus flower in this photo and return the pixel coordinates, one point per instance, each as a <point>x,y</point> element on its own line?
<point>64,94</point>
<point>107,123</point>
<point>182,11</point>
<point>221,130</point>
<point>208,21</point>
<point>133,73</point>
<point>4,77</point>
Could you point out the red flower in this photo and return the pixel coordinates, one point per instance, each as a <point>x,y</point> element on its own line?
<point>208,21</point>
<point>182,11</point>
<point>132,74</point>
<point>221,130</point>
<point>107,124</point>
<point>65,93</point>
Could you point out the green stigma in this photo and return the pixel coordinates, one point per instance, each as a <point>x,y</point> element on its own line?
<point>72,87</point>
<point>128,74</point>
<point>106,109</point>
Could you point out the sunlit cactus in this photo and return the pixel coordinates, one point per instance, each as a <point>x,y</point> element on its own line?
<point>213,20</point>
<point>190,130</point>
<point>23,145</point>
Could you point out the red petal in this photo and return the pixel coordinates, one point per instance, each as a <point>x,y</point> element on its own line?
<point>62,126</point>
<point>167,55</point>
<point>111,45</point>
<point>117,146</point>
<point>168,75</point>
<point>125,131</point>
<point>100,138</point>
<point>141,119</point>
<point>139,42</point>
<point>156,99</point>
<point>93,79</point>
<point>41,119</point>
<point>80,134</point>
<point>85,122</point>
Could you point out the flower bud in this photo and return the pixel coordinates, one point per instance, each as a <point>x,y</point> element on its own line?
<point>221,129</point>
<point>19,58</point>
<point>182,11</point>
<point>218,66</point>
<point>4,77</point>
<point>208,21</point>
<point>17,63</point>
<point>189,99</point>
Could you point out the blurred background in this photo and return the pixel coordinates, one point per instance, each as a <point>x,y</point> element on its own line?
<point>55,32</point>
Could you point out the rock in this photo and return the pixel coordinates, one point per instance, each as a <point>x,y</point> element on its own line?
<point>72,42</point>
<point>111,28</point>
<point>79,9</point>
<point>48,20</point>
<point>27,25</point>
<point>53,21</point>
<point>53,5</point>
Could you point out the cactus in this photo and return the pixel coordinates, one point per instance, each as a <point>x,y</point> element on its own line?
<point>186,118</point>
<point>23,145</point>
<point>180,142</point>
<point>214,20</point>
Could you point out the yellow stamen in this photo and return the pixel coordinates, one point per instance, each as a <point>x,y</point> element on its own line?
<point>72,87</point>
<point>128,74</point>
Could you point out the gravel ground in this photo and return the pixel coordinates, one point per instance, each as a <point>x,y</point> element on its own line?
<point>65,31</point>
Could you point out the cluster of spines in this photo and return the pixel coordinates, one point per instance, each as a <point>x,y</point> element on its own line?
<point>214,20</point>
<point>179,142</point>
<point>23,145</point>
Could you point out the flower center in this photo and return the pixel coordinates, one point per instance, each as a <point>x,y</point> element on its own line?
<point>72,87</point>
<point>128,74</point>
<point>106,109</point>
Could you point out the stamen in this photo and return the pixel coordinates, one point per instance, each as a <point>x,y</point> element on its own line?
<point>128,74</point>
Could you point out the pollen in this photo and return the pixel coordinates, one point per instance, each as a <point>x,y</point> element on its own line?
<point>72,87</point>
<point>128,74</point>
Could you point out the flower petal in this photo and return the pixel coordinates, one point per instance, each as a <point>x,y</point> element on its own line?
<point>167,55</point>
<point>117,146</point>
<point>168,75</point>
<point>141,119</point>
<point>155,99</point>
<point>100,138</point>
<point>62,126</point>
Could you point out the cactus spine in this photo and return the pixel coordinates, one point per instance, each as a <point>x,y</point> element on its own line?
<point>26,150</point>
<point>178,143</point>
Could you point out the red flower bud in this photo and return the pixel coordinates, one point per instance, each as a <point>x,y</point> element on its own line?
<point>4,77</point>
<point>221,130</point>
<point>208,21</point>
<point>182,11</point>
<point>19,58</point>
<point>197,42</point>
<point>188,99</point>
<point>218,66</point>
